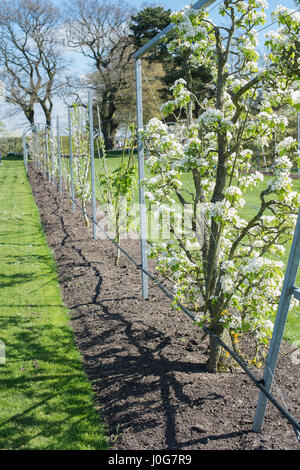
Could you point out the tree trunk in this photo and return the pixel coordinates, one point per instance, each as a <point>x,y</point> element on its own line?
<point>213,255</point>
<point>86,219</point>
<point>216,361</point>
<point>109,130</point>
<point>47,111</point>
<point>29,113</point>
<point>109,125</point>
<point>48,119</point>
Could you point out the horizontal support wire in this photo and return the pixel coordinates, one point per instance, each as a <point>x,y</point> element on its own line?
<point>236,357</point>
<point>296,293</point>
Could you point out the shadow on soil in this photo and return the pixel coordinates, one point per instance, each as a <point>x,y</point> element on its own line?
<point>124,384</point>
<point>139,388</point>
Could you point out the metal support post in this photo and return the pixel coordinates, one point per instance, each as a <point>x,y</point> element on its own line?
<point>92,154</point>
<point>140,145</point>
<point>59,156</point>
<point>288,290</point>
<point>52,176</point>
<point>298,138</point>
<point>35,147</point>
<point>46,153</point>
<point>71,159</point>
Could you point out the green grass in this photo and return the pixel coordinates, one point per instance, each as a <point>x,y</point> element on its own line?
<point>46,401</point>
<point>292,330</point>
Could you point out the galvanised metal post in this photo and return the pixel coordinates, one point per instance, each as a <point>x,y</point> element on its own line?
<point>43,152</point>
<point>91,129</point>
<point>38,148</point>
<point>59,156</point>
<point>140,145</point>
<point>52,156</point>
<point>71,159</point>
<point>35,147</point>
<point>298,137</point>
<point>288,289</point>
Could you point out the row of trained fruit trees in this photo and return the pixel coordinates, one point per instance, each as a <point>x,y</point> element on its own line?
<point>224,268</point>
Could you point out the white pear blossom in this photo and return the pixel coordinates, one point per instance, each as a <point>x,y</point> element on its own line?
<point>224,265</point>
<point>295,96</point>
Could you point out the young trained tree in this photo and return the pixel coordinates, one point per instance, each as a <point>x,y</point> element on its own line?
<point>117,187</point>
<point>81,156</point>
<point>225,268</point>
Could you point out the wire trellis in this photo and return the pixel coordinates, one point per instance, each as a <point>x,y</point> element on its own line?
<point>259,383</point>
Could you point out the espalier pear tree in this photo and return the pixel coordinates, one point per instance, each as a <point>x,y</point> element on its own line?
<point>81,156</point>
<point>225,268</point>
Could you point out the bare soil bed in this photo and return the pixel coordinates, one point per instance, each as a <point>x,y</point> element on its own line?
<point>146,361</point>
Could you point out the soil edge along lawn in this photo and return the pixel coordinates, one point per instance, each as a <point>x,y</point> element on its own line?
<point>46,401</point>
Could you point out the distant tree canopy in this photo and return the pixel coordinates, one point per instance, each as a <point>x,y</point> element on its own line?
<point>107,33</point>
<point>144,26</point>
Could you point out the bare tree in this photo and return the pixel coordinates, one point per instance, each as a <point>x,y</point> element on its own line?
<point>99,28</point>
<point>30,56</point>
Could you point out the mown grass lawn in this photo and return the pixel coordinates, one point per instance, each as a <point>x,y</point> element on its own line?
<point>292,330</point>
<point>46,401</point>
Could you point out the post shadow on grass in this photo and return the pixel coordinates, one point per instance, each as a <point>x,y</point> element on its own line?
<point>17,233</point>
<point>58,408</point>
<point>13,157</point>
<point>34,258</point>
<point>29,238</point>
<point>11,280</point>
<point>21,244</point>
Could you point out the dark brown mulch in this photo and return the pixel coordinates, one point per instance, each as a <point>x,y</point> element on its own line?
<point>145,361</point>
